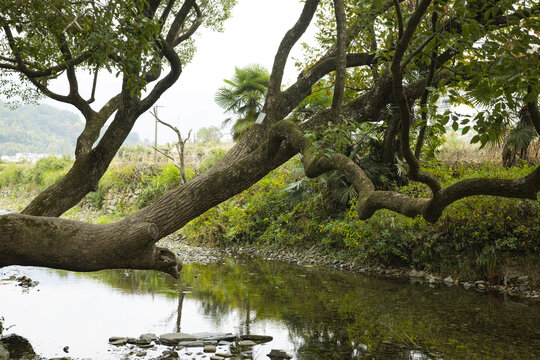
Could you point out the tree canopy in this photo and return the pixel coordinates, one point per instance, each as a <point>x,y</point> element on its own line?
<point>384,64</point>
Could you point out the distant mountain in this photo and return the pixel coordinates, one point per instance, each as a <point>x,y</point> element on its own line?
<point>41,129</point>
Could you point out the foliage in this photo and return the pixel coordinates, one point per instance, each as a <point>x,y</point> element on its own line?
<point>209,134</point>
<point>244,96</point>
<point>37,177</point>
<point>272,213</point>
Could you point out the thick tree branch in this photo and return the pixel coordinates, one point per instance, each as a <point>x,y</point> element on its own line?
<point>194,26</point>
<point>341,61</point>
<point>401,100</point>
<point>80,246</point>
<point>165,83</point>
<point>288,41</point>
<point>178,21</point>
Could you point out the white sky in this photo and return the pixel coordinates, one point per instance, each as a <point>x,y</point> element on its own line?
<point>251,35</point>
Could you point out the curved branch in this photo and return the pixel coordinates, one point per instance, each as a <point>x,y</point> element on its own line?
<point>166,82</point>
<point>179,21</point>
<point>401,100</point>
<point>288,41</point>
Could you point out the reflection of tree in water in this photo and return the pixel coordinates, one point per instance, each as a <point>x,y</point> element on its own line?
<point>337,315</point>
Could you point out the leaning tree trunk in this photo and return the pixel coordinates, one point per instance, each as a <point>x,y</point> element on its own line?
<point>129,243</point>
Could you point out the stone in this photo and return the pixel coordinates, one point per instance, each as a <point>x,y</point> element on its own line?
<point>175,338</point>
<point>481,286</point>
<point>149,337</point>
<point>524,278</point>
<point>116,338</point>
<point>141,353</point>
<point>416,274</point>
<point>224,355</point>
<point>246,343</point>
<point>277,354</point>
<point>196,343</point>
<point>216,357</point>
<point>118,342</point>
<point>209,349</point>
<point>142,342</point>
<point>262,338</point>
<point>214,336</point>
<point>448,280</point>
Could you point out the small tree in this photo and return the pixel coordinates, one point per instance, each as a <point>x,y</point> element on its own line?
<point>209,134</point>
<point>179,146</point>
<point>244,96</point>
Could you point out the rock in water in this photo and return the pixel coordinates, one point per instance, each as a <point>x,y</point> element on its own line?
<point>209,349</point>
<point>277,354</point>
<point>175,338</point>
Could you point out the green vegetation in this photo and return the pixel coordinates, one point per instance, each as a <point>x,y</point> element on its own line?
<point>209,134</point>
<point>244,97</point>
<point>475,236</point>
<point>130,184</point>
<point>30,178</point>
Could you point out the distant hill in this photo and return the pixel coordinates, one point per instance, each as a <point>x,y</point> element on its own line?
<point>41,129</point>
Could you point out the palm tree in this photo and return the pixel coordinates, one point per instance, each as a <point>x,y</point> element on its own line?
<point>243,96</point>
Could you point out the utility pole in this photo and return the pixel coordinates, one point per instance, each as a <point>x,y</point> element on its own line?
<point>155,132</point>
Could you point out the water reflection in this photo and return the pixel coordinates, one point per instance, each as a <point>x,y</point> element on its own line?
<point>314,314</point>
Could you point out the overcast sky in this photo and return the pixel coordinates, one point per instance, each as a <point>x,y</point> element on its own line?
<point>251,35</point>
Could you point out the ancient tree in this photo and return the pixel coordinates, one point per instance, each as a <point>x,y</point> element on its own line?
<point>385,61</point>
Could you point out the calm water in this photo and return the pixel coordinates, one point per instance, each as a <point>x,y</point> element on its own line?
<point>311,313</point>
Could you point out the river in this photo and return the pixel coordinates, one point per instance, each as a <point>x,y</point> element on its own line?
<point>311,313</point>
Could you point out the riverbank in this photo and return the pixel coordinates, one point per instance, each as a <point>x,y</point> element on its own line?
<point>512,284</point>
